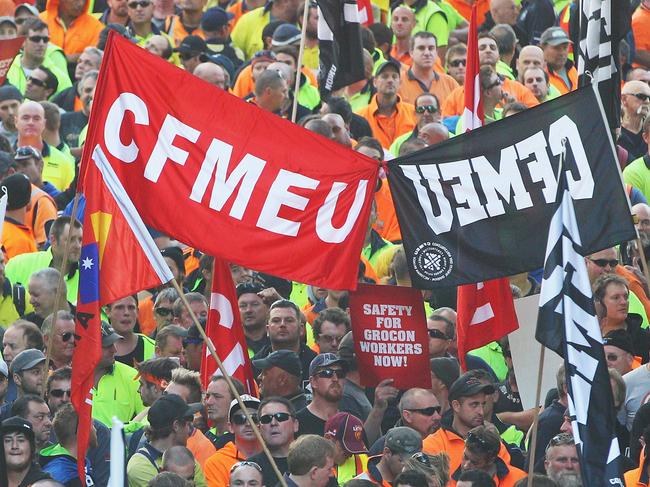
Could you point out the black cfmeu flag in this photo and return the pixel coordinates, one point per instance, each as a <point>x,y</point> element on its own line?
<point>603,23</point>
<point>339,44</point>
<point>567,324</point>
<point>478,206</point>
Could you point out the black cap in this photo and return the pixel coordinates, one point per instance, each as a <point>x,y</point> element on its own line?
<point>169,408</point>
<point>214,18</point>
<point>467,385</point>
<point>16,423</point>
<point>19,191</point>
<point>175,254</point>
<point>287,360</point>
<point>223,61</point>
<point>248,288</point>
<point>10,92</point>
<point>620,339</point>
<point>192,44</point>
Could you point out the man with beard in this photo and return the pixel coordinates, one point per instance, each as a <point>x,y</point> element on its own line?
<point>254,316</point>
<point>326,374</point>
<point>635,105</point>
<point>286,332</point>
<point>561,461</point>
<point>10,100</point>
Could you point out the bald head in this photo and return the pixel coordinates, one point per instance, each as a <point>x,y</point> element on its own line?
<point>632,87</point>
<point>30,121</point>
<point>402,10</point>
<point>433,133</point>
<point>639,74</point>
<point>503,11</point>
<point>30,105</point>
<point>530,56</point>
<point>283,68</point>
<point>213,74</point>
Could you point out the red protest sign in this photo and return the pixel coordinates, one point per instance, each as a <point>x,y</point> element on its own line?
<point>390,335</point>
<point>9,48</point>
<point>224,176</point>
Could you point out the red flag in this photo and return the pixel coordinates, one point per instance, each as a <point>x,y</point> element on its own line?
<point>226,332</point>
<point>365,12</point>
<point>118,259</point>
<point>9,49</point>
<point>199,162</point>
<point>486,312</point>
<point>473,113</point>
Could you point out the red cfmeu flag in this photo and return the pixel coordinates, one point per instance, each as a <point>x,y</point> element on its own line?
<point>228,178</point>
<point>486,312</point>
<point>9,49</point>
<point>118,259</point>
<point>226,332</point>
<point>473,112</point>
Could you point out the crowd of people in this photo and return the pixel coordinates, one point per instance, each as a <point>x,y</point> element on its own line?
<point>320,425</point>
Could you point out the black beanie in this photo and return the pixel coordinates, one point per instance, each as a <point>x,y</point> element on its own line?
<point>19,191</point>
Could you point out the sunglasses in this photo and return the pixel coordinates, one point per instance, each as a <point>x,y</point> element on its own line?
<point>426,108</point>
<point>612,357</point>
<point>457,62</point>
<point>329,373</point>
<point>240,419</point>
<point>245,463</point>
<point>67,336</point>
<point>640,96</point>
<point>434,333</point>
<point>422,458</point>
<point>605,262</point>
<point>28,150</point>
<point>138,3</point>
<point>59,393</point>
<point>186,56</point>
<point>37,82</point>
<point>279,417</point>
<point>163,311</point>
<point>37,39</point>
<point>430,411</point>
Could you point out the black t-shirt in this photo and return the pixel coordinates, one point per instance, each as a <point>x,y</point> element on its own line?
<point>508,399</point>
<point>135,356</point>
<point>268,475</point>
<point>310,424</point>
<point>633,143</point>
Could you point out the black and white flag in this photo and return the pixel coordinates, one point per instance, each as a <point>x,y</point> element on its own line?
<point>339,44</point>
<point>478,206</point>
<point>601,30</point>
<point>568,325</point>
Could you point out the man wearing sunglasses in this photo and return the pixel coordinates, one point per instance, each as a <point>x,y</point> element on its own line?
<point>63,340</point>
<point>245,445</point>
<point>278,425</point>
<point>192,51</point>
<point>37,52</point>
<point>427,110</point>
<point>326,377</point>
<point>635,105</point>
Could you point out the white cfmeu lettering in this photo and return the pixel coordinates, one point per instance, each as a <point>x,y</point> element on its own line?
<point>236,182</point>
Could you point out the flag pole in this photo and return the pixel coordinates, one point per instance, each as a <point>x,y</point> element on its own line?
<point>305,17</point>
<point>644,263</point>
<point>59,288</point>
<point>231,386</point>
<point>533,437</point>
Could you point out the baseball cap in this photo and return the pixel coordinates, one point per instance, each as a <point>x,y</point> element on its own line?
<point>285,35</point>
<point>10,92</point>
<point>554,36</point>
<point>8,20</point>
<point>620,339</point>
<point>30,8</point>
<point>467,385</point>
<point>446,369</point>
<point>27,359</point>
<point>108,335</point>
<point>387,64</point>
<point>325,360</point>
<point>4,369</point>
<point>249,402</point>
<point>248,288</point>
<point>224,62</point>
<point>27,152</point>
<point>215,17</point>
<point>287,360</point>
<point>192,44</point>
<point>19,191</point>
<point>403,440</point>
<point>348,429</point>
<point>169,408</point>
<point>16,423</point>
<point>173,252</point>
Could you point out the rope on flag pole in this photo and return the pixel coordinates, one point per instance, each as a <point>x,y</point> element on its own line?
<point>305,17</point>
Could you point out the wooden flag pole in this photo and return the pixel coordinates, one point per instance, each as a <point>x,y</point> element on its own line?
<point>231,386</point>
<point>57,304</point>
<point>305,17</point>
<point>533,437</point>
